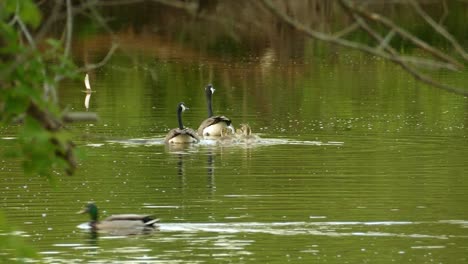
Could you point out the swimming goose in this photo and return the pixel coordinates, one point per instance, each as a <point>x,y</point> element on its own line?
<point>117,223</point>
<point>181,134</point>
<point>212,126</point>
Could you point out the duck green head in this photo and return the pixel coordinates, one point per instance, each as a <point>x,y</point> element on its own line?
<point>92,210</point>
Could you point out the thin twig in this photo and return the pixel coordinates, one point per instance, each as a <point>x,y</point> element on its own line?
<point>26,32</point>
<point>69,30</point>
<point>89,67</point>
<point>15,16</point>
<point>445,13</point>
<point>46,26</point>
<point>385,41</point>
<point>353,27</point>
<point>102,22</point>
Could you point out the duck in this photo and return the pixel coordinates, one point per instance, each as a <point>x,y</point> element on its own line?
<point>119,224</point>
<point>227,137</point>
<point>244,134</point>
<point>181,134</point>
<point>212,126</point>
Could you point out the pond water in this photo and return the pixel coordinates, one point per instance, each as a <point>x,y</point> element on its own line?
<point>356,163</point>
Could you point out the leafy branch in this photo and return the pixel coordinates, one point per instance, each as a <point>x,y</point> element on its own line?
<point>28,81</point>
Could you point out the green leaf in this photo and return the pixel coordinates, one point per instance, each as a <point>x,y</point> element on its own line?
<point>33,131</point>
<point>27,11</point>
<point>15,104</point>
<point>9,6</point>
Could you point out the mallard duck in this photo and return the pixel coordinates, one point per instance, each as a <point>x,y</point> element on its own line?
<point>244,134</point>
<point>122,224</point>
<point>212,126</point>
<point>181,134</point>
<point>227,137</point>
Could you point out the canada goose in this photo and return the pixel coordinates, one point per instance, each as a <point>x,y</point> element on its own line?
<point>227,137</point>
<point>244,133</point>
<point>213,125</point>
<point>181,134</point>
<point>123,223</point>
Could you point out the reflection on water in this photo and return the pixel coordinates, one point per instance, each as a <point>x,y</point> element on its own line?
<point>86,102</point>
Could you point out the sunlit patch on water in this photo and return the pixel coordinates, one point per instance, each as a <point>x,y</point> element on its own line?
<point>49,252</point>
<point>131,250</point>
<point>317,217</point>
<point>84,226</point>
<point>428,247</point>
<point>96,145</point>
<point>67,245</point>
<point>161,206</point>
<point>245,195</point>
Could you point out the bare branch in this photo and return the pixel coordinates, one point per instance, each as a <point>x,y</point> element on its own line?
<point>70,117</point>
<point>402,32</point>
<point>353,27</point>
<point>103,62</point>
<point>427,63</point>
<point>392,56</point>
<point>439,29</point>
<point>319,35</point>
<point>385,41</point>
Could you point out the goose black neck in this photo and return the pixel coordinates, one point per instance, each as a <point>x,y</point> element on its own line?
<point>208,101</point>
<point>179,117</point>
